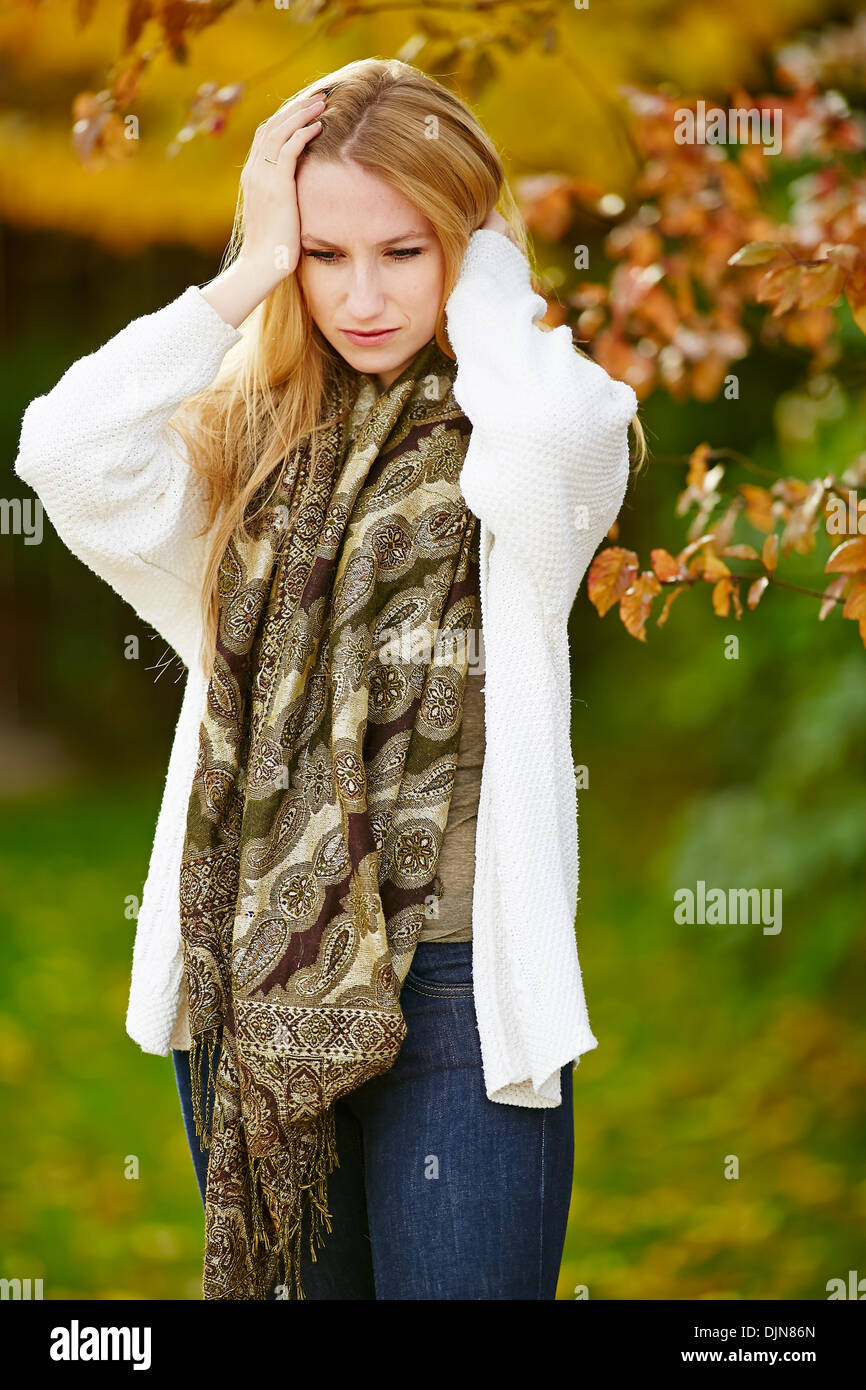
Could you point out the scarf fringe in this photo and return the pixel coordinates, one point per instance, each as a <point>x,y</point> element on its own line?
<point>210,1039</point>
<point>309,1195</point>
<point>309,1183</point>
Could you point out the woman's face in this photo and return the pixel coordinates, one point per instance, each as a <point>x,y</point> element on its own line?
<point>370,261</point>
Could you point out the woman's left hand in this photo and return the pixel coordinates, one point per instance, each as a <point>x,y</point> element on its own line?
<point>495,222</point>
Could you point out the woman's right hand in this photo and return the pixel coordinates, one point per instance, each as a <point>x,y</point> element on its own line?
<point>272,230</point>
<point>272,223</point>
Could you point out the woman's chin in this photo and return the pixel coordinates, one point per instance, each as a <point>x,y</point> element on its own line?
<point>376,361</point>
<point>384,361</point>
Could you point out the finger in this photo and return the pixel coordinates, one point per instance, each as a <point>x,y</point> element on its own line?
<point>295,143</point>
<point>269,136</point>
<point>290,113</point>
<point>273,143</point>
<point>285,155</point>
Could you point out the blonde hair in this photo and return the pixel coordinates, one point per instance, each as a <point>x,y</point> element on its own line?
<point>270,390</point>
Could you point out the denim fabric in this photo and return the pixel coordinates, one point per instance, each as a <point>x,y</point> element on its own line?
<point>440,1193</point>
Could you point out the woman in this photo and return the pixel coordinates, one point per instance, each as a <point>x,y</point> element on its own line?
<point>373,1023</point>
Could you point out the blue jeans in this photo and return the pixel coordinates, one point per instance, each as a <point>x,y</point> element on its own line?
<point>440,1193</point>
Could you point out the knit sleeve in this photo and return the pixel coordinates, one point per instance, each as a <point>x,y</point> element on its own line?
<point>548,461</point>
<point>114,482</point>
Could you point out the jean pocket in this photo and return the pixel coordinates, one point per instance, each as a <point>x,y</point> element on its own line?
<point>443,969</point>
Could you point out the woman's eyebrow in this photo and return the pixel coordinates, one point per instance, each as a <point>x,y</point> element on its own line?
<point>389,241</point>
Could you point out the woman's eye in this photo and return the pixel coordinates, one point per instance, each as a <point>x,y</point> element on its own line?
<point>403,253</point>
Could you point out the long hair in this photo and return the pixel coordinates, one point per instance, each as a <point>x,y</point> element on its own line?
<point>270,391</point>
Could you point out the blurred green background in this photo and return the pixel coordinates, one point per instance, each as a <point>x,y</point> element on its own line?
<point>714,1041</point>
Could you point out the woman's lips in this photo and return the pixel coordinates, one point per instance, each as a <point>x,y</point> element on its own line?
<point>370,339</point>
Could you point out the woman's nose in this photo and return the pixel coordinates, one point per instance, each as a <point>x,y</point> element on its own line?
<point>365,298</point>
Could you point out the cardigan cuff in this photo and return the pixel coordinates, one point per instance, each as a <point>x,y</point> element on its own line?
<point>493,254</point>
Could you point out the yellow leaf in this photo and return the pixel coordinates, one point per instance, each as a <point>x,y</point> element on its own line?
<point>770,553</point>
<point>611,574</point>
<point>722,597</point>
<point>855,603</point>
<point>848,558</point>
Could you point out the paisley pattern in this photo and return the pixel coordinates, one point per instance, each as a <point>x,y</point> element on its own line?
<point>326,765</point>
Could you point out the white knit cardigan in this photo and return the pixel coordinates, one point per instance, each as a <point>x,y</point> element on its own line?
<point>545,472</point>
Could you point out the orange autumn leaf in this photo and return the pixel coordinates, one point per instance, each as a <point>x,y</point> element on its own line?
<point>741,552</point>
<point>723,529</point>
<point>756,591</point>
<point>855,287</point>
<point>848,558</point>
<point>802,522</point>
<point>759,506</point>
<point>714,567</point>
<point>722,597</point>
<point>756,253</point>
<point>695,567</point>
<point>846,255</point>
<point>665,566</point>
<point>770,553</point>
<point>635,605</point>
<point>697,465</point>
<point>857,304</point>
<point>611,573</point>
<point>781,287</point>
<point>822,285</point>
<point>792,491</point>
<point>128,78</point>
<point>695,545</point>
<point>855,603</point>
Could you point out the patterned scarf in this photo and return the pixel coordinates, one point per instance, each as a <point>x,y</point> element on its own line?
<point>326,763</point>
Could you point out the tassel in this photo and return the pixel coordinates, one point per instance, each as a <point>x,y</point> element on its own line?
<point>307,1195</point>
<point>210,1038</point>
